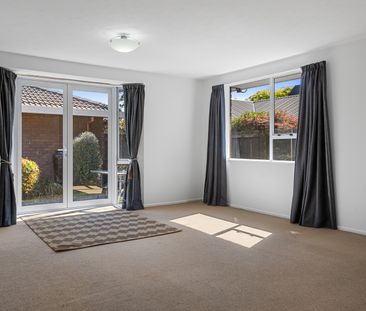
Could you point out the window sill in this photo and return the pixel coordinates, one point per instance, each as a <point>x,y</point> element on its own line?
<point>258,160</point>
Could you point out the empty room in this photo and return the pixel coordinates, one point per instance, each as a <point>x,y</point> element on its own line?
<point>182,155</point>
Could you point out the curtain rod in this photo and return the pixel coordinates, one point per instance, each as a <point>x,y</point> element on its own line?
<point>65,79</point>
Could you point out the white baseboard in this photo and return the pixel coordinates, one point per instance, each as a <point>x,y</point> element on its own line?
<point>341,228</point>
<point>358,231</point>
<point>259,211</point>
<point>172,202</point>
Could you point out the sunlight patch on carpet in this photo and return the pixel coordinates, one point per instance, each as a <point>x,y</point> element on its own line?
<point>229,231</point>
<point>206,224</point>
<point>240,238</point>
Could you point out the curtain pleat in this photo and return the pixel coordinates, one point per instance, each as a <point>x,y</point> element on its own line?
<point>215,192</point>
<point>7,195</point>
<point>134,99</point>
<point>313,201</point>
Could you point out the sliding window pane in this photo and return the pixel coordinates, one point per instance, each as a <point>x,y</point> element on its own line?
<point>284,149</point>
<point>250,119</point>
<point>121,181</point>
<point>122,143</point>
<point>287,93</point>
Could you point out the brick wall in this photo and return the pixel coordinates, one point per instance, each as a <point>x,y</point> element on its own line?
<point>42,136</point>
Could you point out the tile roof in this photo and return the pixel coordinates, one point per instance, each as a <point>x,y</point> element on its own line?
<point>39,97</point>
<point>289,104</point>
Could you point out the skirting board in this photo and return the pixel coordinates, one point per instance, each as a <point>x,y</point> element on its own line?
<point>341,228</point>
<point>172,202</point>
<point>259,211</point>
<point>357,231</point>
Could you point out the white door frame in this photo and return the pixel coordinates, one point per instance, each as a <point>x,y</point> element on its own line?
<point>70,115</point>
<point>67,142</point>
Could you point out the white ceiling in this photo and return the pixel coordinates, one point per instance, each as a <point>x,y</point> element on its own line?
<point>192,38</point>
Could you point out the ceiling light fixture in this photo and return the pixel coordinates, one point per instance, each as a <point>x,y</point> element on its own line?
<point>124,43</point>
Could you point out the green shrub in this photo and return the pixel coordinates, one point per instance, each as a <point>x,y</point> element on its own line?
<point>30,175</point>
<point>47,188</point>
<point>87,157</point>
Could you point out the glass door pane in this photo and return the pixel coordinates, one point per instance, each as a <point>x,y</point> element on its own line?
<point>90,145</point>
<point>123,157</point>
<point>42,158</point>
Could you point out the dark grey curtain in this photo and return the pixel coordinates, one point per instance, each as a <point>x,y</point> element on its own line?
<point>134,99</point>
<point>313,202</point>
<point>215,182</point>
<point>7,197</point>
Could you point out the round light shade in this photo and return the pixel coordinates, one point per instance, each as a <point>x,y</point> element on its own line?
<point>124,44</point>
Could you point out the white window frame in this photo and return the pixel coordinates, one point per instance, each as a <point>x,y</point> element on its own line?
<point>119,159</point>
<point>272,136</point>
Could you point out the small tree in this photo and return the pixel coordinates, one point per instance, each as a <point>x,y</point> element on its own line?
<point>265,94</point>
<point>87,157</point>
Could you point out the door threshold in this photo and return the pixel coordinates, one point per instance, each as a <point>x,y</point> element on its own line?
<point>29,211</point>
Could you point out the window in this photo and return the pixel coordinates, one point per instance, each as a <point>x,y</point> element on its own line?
<point>250,124</point>
<point>122,154</point>
<point>264,117</point>
<point>122,147</point>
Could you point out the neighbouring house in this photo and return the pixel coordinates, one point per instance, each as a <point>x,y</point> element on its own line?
<point>290,104</point>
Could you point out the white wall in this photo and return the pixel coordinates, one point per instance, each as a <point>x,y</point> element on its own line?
<point>169,126</point>
<point>175,132</point>
<point>267,186</point>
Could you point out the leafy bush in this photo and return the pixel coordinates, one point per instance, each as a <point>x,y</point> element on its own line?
<point>45,188</point>
<point>48,188</point>
<point>30,175</point>
<point>251,123</point>
<point>284,121</point>
<point>87,157</point>
<point>257,123</point>
<point>122,127</point>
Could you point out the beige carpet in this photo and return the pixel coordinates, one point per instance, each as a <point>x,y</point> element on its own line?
<point>294,268</point>
<point>86,228</point>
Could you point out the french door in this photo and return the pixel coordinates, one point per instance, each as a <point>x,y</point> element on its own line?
<point>63,148</point>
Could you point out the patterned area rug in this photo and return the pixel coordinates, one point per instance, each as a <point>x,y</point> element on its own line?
<point>85,228</point>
